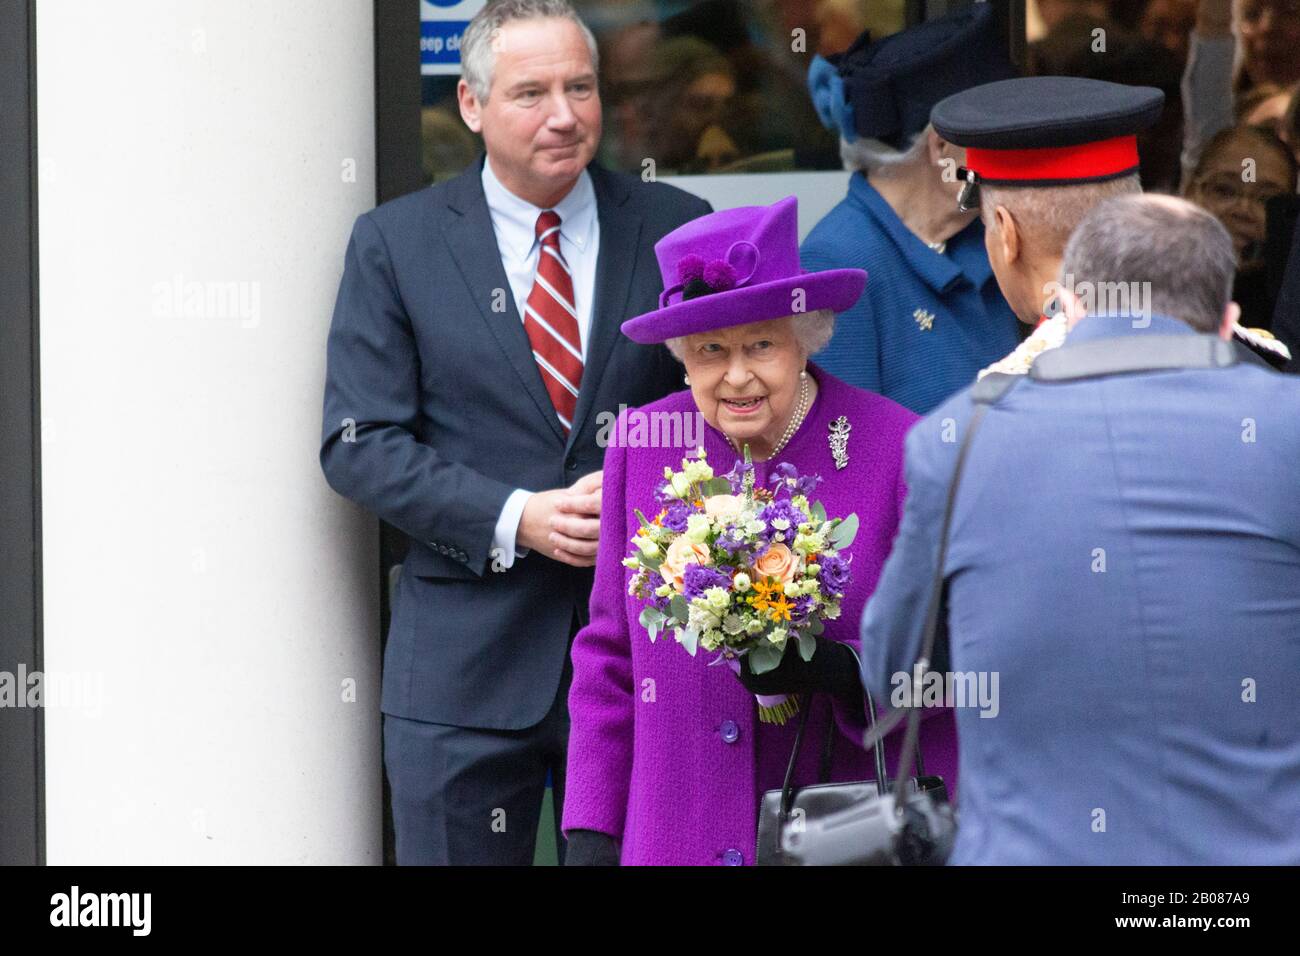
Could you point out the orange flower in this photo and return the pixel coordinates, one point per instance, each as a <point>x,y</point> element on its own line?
<point>778,562</point>
<point>779,610</point>
<point>681,553</point>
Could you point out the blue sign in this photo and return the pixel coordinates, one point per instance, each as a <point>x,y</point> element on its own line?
<point>442,24</point>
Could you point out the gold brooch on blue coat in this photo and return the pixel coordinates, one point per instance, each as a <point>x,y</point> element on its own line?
<point>839,441</point>
<point>924,319</point>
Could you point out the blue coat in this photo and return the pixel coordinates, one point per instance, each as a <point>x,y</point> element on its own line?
<point>883,343</point>
<point>1125,556</point>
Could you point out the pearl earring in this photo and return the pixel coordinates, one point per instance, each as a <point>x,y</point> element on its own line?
<point>686,379</point>
<point>803,374</point>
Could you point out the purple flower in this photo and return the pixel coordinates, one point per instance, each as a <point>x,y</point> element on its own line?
<point>778,510</point>
<point>698,578</point>
<point>733,542</point>
<point>689,267</point>
<point>736,477</point>
<point>719,275</point>
<point>834,575</point>
<point>800,610</point>
<point>677,513</point>
<point>788,482</point>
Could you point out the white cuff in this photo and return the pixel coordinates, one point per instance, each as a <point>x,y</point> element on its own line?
<point>503,537</point>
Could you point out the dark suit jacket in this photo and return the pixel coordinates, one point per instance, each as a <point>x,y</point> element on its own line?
<point>435,411</point>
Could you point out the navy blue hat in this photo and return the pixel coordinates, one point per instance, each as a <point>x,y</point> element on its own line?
<point>1046,130</point>
<point>886,89</point>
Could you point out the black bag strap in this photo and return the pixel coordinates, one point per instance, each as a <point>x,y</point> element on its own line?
<point>878,751</point>
<point>984,393</point>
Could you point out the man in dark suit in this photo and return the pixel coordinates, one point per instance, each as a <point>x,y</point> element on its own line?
<point>474,343</point>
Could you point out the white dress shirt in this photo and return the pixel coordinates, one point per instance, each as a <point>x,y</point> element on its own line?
<point>514,221</point>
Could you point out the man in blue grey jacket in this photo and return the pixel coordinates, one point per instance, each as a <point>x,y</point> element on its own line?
<point>1120,557</point>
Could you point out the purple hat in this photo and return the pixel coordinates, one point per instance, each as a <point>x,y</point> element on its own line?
<point>735,267</point>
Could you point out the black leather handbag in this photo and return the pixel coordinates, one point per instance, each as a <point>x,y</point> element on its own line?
<point>867,823</point>
<point>785,815</point>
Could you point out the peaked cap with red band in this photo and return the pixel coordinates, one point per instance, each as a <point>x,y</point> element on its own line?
<point>1046,131</point>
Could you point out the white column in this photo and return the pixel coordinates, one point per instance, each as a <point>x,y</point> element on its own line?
<point>211,607</point>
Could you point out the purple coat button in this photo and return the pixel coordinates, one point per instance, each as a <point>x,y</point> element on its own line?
<point>733,858</point>
<point>730,731</point>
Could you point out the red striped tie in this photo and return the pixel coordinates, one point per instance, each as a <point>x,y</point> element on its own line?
<point>552,322</point>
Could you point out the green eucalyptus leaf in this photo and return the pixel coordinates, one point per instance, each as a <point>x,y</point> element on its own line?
<point>688,639</point>
<point>844,533</point>
<point>678,608</point>
<point>649,563</point>
<point>807,645</point>
<point>816,628</point>
<point>717,486</point>
<point>764,657</point>
<point>652,619</point>
<point>818,512</point>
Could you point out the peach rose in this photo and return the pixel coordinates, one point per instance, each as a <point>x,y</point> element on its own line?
<point>681,553</point>
<point>777,563</point>
<point>722,507</point>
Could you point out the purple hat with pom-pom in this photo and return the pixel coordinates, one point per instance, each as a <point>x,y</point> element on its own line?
<point>735,267</point>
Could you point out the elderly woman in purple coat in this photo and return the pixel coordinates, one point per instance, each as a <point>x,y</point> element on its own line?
<point>668,759</point>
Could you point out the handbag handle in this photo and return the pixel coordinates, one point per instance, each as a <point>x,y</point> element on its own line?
<point>878,751</point>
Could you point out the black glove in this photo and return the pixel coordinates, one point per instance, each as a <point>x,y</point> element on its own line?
<point>833,669</point>
<point>590,848</point>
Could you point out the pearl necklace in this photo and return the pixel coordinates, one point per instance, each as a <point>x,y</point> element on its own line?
<point>800,410</point>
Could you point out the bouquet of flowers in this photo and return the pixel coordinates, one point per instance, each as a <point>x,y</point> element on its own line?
<point>740,570</point>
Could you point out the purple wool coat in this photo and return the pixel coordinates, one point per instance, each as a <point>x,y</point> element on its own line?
<point>666,754</point>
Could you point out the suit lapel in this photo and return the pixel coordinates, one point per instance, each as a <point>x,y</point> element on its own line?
<point>620,233</point>
<point>473,245</point>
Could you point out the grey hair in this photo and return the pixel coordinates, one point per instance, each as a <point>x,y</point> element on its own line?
<point>1048,214</point>
<point>869,155</point>
<point>1178,251</point>
<point>812,330</point>
<point>477,55</point>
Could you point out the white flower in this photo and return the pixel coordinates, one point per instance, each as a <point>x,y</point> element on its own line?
<point>698,528</point>
<point>741,582</point>
<point>718,598</point>
<point>697,470</point>
<point>733,624</point>
<point>776,635</point>
<point>700,618</point>
<point>648,547</point>
<point>754,626</point>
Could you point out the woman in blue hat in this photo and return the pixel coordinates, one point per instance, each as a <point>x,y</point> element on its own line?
<point>933,315</point>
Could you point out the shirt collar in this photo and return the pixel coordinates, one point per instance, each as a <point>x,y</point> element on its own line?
<point>517,218</point>
<point>939,271</point>
<point>1094,327</point>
